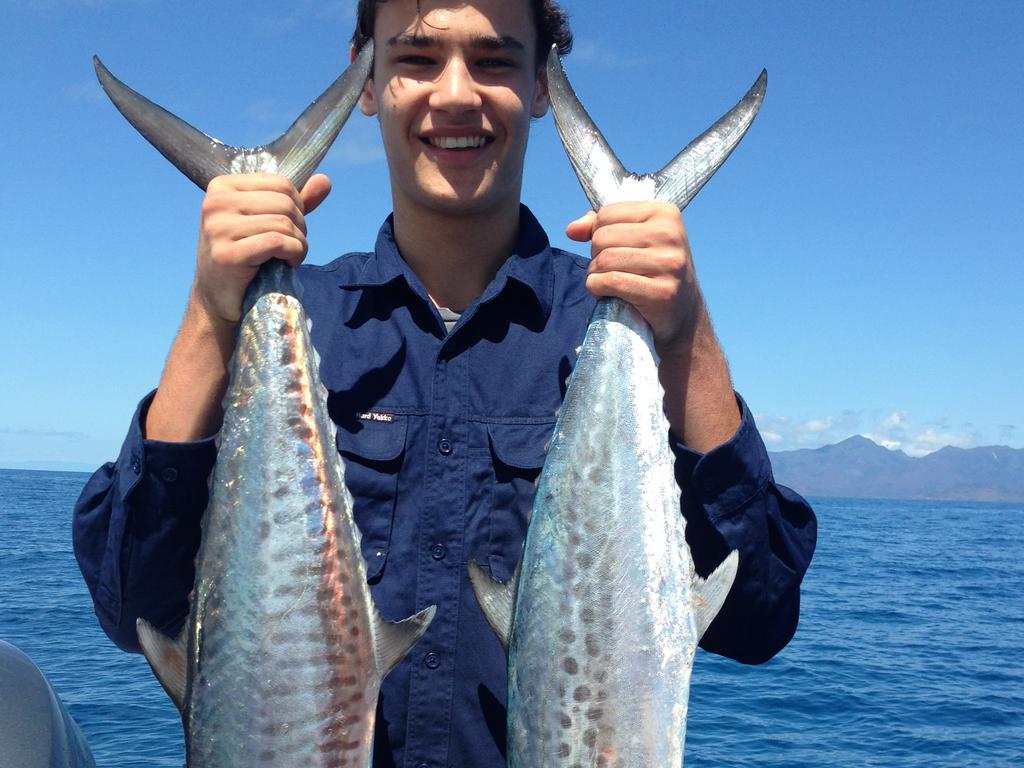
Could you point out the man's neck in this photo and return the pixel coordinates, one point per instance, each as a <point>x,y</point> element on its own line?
<point>456,257</point>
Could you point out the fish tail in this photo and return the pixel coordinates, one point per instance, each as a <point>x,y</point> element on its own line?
<point>295,154</point>
<point>602,175</point>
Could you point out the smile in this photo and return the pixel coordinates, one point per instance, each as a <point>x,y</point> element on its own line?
<point>457,142</point>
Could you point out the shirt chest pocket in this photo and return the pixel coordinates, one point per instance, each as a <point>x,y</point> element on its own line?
<point>506,461</point>
<point>373,452</point>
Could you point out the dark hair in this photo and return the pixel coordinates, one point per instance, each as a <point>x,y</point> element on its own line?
<point>549,20</point>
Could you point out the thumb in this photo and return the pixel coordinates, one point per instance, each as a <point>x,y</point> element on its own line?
<point>315,192</point>
<point>582,229</point>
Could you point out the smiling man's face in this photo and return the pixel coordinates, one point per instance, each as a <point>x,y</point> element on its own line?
<point>455,85</point>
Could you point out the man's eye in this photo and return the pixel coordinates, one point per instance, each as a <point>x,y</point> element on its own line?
<point>416,61</point>
<point>495,63</point>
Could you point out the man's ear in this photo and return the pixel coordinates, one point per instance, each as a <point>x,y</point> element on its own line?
<point>539,108</point>
<point>367,101</point>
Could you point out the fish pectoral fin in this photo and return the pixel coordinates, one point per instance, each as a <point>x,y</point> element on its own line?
<point>496,599</point>
<point>167,657</point>
<point>395,638</point>
<point>709,594</point>
<point>682,178</point>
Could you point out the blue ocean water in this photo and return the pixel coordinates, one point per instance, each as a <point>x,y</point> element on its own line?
<point>910,651</point>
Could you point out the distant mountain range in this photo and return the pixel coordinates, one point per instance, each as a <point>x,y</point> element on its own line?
<point>859,467</point>
<point>862,468</point>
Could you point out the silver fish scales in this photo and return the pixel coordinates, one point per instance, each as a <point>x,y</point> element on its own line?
<point>604,615</point>
<point>284,651</point>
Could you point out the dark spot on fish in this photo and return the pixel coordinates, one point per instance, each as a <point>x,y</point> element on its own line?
<point>582,693</point>
<point>587,615</point>
<point>585,560</point>
<point>595,713</point>
<point>574,539</point>
<point>287,355</point>
<point>565,721</point>
<point>265,530</point>
<point>354,630</point>
<point>592,645</point>
<point>590,737</point>
<point>267,756</point>
<point>564,750</point>
<point>569,665</point>
<point>356,697</point>
<point>349,680</point>
<point>304,432</point>
<point>567,636</point>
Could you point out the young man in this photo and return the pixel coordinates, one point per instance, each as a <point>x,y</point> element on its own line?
<point>444,352</point>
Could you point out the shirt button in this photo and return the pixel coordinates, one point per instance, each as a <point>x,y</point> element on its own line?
<point>438,551</point>
<point>136,465</point>
<point>432,660</point>
<point>170,474</point>
<point>422,765</point>
<point>444,446</point>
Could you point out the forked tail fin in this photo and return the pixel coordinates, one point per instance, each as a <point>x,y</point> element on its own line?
<point>295,154</point>
<point>603,177</point>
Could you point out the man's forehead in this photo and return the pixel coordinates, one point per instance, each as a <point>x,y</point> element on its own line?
<point>494,24</point>
<point>424,39</point>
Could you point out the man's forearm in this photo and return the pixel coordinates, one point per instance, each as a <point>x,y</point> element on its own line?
<point>188,402</point>
<point>699,398</point>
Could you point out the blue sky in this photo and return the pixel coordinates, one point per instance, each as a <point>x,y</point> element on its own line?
<point>861,252</point>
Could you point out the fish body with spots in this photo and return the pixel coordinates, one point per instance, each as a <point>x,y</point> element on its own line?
<point>284,651</point>
<point>602,619</point>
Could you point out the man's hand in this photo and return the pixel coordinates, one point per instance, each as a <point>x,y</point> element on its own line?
<point>246,220</point>
<point>640,254</point>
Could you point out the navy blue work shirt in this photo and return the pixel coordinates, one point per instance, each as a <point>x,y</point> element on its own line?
<point>443,435</point>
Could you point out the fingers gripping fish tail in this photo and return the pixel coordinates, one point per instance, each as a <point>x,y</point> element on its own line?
<point>295,154</point>
<point>602,175</point>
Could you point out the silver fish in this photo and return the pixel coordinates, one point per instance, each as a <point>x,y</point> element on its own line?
<point>605,611</point>
<point>284,651</point>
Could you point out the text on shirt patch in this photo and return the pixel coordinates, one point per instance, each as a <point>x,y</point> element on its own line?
<point>387,418</point>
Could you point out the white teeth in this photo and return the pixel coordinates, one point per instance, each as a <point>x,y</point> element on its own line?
<point>461,142</point>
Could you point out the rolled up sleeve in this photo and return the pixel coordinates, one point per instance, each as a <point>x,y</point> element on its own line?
<point>136,530</point>
<point>731,502</point>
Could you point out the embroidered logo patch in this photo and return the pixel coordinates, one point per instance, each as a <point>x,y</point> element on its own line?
<point>387,418</point>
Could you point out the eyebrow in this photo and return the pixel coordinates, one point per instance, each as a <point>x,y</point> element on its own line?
<point>485,42</point>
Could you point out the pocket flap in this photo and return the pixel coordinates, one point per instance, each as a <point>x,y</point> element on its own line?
<point>374,439</point>
<point>520,445</point>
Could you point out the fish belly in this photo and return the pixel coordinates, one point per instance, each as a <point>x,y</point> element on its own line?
<point>282,666</point>
<point>603,633</point>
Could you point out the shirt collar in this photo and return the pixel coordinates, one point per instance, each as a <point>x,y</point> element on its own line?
<point>529,265</point>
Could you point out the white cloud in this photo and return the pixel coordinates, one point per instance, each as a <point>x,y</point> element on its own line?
<point>596,53</point>
<point>895,420</point>
<point>895,430</point>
